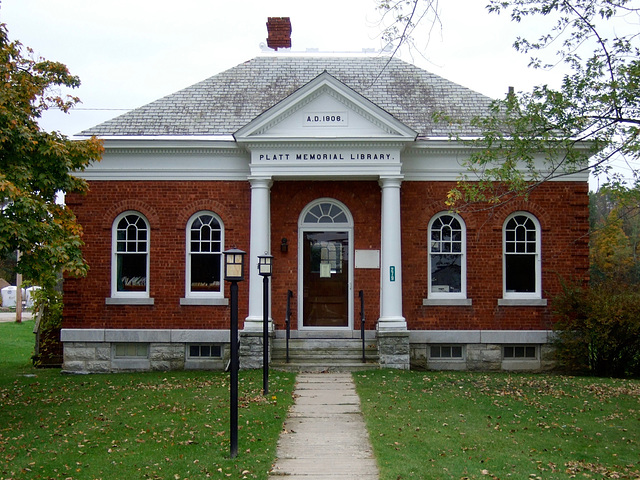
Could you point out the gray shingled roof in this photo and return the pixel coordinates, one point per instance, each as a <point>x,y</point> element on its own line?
<point>222,104</point>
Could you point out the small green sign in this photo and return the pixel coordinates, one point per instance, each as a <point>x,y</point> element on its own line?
<point>392,274</point>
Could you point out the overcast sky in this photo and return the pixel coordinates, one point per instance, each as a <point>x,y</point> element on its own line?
<point>128,53</point>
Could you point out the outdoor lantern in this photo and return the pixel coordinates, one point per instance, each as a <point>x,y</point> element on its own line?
<point>234,265</point>
<point>265,263</point>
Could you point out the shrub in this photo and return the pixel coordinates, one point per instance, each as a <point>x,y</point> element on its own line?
<point>598,329</point>
<point>48,307</point>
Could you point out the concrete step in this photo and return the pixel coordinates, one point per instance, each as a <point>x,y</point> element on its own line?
<point>325,348</point>
<point>324,355</point>
<point>322,367</point>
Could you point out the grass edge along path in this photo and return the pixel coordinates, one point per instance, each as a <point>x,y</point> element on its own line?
<point>156,425</point>
<point>464,425</point>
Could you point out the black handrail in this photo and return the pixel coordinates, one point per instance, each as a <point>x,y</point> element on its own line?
<point>361,295</point>
<point>287,320</point>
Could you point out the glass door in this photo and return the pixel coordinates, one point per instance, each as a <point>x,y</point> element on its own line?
<point>325,279</point>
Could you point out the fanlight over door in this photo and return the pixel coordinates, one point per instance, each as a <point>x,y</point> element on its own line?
<point>326,230</point>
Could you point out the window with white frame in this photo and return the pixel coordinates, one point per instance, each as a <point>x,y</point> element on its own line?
<point>521,259</point>
<point>447,262</point>
<point>130,253</point>
<point>205,240</point>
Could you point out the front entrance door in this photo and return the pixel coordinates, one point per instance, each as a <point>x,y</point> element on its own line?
<point>325,266</point>
<point>326,279</point>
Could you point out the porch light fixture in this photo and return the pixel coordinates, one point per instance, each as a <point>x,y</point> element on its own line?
<point>265,264</point>
<point>234,265</point>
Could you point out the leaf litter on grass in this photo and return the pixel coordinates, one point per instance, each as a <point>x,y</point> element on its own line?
<point>474,425</point>
<point>158,425</point>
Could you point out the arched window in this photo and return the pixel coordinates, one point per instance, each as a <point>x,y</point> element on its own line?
<point>521,258</point>
<point>205,240</point>
<point>130,253</point>
<point>326,212</point>
<point>447,257</point>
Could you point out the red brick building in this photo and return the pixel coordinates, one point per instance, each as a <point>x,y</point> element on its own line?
<point>335,166</point>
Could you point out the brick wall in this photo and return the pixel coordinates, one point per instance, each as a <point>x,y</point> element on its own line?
<point>561,208</point>
<point>168,207</point>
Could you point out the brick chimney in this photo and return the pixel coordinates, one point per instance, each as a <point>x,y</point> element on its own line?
<point>279,29</point>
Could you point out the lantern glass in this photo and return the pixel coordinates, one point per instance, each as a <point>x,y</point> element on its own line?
<point>265,264</point>
<point>234,265</point>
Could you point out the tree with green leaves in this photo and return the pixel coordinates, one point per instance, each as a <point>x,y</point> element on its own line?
<point>591,118</point>
<point>588,120</point>
<point>36,166</point>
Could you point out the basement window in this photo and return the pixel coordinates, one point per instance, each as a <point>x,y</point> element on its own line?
<point>205,351</point>
<point>132,350</point>
<point>446,351</point>
<point>520,352</point>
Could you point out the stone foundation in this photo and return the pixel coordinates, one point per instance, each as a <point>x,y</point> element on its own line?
<point>95,351</point>
<point>486,356</point>
<point>251,351</point>
<point>394,350</point>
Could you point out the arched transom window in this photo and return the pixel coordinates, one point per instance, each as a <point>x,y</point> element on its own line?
<point>324,212</point>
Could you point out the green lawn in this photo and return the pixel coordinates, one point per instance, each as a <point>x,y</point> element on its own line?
<point>462,425</point>
<point>163,425</point>
<point>423,425</point>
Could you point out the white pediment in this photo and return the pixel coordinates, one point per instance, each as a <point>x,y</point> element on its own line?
<point>325,109</point>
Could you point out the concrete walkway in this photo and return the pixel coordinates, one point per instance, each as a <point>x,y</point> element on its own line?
<point>324,434</point>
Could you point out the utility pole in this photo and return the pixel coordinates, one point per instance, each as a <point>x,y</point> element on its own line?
<point>18,294</point>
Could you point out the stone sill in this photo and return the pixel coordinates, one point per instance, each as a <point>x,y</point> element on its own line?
<point>204,301</point>
<point>522,302</point>
<point>129,301</point>
<point>447,302</point>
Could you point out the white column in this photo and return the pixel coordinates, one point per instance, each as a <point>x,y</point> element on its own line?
<point>391,257</point>
<point>259,244</point>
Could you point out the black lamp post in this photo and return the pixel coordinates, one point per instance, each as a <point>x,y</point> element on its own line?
<point>265,267</point>
<point>234,273</point>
